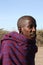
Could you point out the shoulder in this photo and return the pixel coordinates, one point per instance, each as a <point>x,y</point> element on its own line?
<point>8,41</point>
<point>9,38</point>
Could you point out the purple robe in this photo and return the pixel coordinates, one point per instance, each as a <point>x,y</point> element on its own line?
<point>17,50</point>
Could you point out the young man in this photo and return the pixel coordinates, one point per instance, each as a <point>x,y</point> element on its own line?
<point>20,48</point>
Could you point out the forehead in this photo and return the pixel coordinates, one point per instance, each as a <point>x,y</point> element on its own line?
<point>29,22</point>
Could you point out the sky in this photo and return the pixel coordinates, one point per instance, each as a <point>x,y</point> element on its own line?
<point>12,10</point>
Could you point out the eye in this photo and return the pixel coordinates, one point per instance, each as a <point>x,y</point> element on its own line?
<point>30,26</point>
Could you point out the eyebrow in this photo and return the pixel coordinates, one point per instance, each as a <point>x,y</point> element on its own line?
<point>33,24</point>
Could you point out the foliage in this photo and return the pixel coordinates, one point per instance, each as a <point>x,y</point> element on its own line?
<point>40,38</point>
<point>2,32</point>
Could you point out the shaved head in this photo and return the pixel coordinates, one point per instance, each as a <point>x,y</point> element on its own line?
<point>23,20</point>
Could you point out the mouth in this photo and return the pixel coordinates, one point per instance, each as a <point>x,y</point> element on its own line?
<point>33,35</point>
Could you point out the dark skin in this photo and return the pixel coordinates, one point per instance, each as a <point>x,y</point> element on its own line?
<point>29,29</point>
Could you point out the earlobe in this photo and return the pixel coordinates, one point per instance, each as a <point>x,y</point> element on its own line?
<point>19,30</point>
<point>22,29</point>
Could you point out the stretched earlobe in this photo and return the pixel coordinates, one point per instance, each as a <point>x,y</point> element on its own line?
<point>19,30</point>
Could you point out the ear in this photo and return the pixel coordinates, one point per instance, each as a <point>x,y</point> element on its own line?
<point>19,30</point>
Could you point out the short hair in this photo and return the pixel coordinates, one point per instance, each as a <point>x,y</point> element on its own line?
<point>21,20</point>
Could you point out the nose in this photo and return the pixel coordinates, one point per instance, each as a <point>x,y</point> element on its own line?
<point>33,29</point>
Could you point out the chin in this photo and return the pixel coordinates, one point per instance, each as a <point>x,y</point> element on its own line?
<point>34,38</point>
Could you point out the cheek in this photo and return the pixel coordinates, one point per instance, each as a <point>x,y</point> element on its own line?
<point>27,31</point>
<point>24,31</point>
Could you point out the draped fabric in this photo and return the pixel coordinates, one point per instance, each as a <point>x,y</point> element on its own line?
<point>17,50</point>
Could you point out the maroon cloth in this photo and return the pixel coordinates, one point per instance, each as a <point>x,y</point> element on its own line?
<point>17,50</point>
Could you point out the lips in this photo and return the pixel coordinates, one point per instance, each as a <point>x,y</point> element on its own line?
<point>33,35</point>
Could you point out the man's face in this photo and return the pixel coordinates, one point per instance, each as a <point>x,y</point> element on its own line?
<point>29,30</point>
